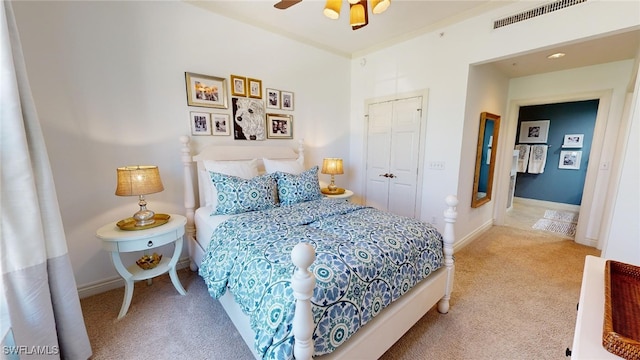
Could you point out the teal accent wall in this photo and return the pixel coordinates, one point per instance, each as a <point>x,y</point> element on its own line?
<point>555,184</point>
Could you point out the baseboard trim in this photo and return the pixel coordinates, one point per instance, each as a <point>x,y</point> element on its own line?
<point>99,287</point>
<point>547,204</point>
<point>458,245</point>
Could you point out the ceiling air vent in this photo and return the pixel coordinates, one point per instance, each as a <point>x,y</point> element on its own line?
<point>541,10</point>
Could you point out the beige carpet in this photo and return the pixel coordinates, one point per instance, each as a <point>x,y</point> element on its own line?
<point>515,297</point>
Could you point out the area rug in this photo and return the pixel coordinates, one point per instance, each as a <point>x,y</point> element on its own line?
<point>566,216</point>
<point>560,222</point>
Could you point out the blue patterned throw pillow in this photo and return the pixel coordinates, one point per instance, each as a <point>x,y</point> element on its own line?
<point>293,189</point>
<point>237,195</point>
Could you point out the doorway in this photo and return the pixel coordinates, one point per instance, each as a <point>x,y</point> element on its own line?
<point>588,224</point>
<point>548,189</point>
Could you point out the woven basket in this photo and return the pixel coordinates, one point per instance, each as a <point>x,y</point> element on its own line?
<point>621,329</point>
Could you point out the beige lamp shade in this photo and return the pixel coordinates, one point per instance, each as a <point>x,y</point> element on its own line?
<point>138,180</point>
<point>332,166</point>
<point>332,9</point>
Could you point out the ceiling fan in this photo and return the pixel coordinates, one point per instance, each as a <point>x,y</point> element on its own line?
<point>358,9</point>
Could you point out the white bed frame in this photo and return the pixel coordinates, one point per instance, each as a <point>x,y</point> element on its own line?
<point>379,334</point>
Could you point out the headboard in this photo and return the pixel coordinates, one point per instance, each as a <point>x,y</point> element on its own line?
<point>193,188</point>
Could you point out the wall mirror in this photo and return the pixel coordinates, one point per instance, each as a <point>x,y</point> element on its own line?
<point>485,159</point>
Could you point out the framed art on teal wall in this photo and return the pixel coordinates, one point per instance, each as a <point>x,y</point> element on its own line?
<point>534,132</point>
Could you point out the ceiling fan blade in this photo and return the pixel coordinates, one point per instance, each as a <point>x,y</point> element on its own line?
<point>285,4</point>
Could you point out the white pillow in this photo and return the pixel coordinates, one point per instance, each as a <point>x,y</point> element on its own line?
<point>288,166</point>
<point>246,169</point>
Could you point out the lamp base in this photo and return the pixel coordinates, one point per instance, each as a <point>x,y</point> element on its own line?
<point>144,217</point>
<point>327,191</point>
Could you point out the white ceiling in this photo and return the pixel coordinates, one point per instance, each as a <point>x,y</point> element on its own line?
<point>405,19</point>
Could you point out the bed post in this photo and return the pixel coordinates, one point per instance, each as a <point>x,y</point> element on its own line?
<point>189,198</point>
<point>448,236</point>
<point>303,282</point>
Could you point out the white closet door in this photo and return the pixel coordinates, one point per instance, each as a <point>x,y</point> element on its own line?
<point>404,155</point>
<point>378,149</point>
<point>393,146</point>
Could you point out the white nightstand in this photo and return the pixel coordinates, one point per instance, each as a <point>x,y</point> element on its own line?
<point>346,195</point>
<point>116,241</point>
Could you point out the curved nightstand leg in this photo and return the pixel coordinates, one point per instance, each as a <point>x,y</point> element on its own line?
<point>128,294</point>
<point>176,281</point>
<point>128,283</point>
<point>172,267</point>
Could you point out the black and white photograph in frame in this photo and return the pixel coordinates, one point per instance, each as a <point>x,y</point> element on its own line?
<point>570,160</point>
<point>534,132</point>
<point>238,85</point>
<point>220,124</point>
<point>248,119</point>
<point>279,126</point>
<point>573,141</point>
<point>200,123</point>
<point>254,88</point>
<point>286,100</point>
<point>273,98</point>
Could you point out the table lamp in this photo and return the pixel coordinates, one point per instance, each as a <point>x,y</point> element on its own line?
<point>332,166</point>
<point>139,180</point>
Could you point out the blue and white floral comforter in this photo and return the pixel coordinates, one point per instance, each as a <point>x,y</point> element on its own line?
<point>365,259</point>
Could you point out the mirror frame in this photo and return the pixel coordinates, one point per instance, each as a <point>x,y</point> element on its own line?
<point>484,117</point>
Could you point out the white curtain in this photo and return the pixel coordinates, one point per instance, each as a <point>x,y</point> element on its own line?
<point>39,301</point>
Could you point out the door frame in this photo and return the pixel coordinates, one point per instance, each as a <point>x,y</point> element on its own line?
<point>424,93</point>
<point>587,211</point>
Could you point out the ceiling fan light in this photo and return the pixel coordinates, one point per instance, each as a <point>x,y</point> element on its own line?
<point>379,6</point>
<point>356,15</point>
<point>332,9</point>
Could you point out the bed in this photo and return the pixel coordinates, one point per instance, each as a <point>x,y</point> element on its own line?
<point>302,315</point>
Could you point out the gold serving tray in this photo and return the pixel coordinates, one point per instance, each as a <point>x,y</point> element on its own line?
<point>621,328</point>
<point>339,191</point>
<point>130,223</point>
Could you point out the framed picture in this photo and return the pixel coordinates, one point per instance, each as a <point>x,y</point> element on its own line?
<point>286,100</point>
<point>573,141</point>
<point>255,88</point>
<point>248,119</point>
<point>238,85</point>
<point>200,123</point>
<point>206,91</point>
<point>279,126</point>
<point>570,160</point>
<point>534,131</point>
<point>220,124</point>
<point>273,98</point>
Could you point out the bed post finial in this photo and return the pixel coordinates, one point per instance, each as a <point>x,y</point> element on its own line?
<point>303,282</point>
<point>448,237</point>
<point>189,197</point>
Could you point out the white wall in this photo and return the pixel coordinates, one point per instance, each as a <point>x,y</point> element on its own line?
<point>108,83</point>
<point>623,240</point>
<point>487,91</point>
<point>439,61</point>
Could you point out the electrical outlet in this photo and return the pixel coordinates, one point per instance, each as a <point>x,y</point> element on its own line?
<point>434,220</point>
<point>436,165</point>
